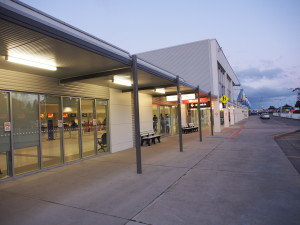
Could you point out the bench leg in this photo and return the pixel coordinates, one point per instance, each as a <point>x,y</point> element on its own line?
<point>158,138</point>
<point>148,142</point>
<point>153,140</point>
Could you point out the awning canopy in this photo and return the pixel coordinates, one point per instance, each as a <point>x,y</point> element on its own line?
<point>78,56</point>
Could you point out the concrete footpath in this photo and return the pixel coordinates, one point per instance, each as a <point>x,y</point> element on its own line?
<point>238,176</point>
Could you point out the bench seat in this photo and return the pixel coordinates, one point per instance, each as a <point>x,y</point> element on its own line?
<point>149,137</point>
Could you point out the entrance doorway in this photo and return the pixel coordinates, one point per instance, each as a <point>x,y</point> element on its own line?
<point>165,119</point>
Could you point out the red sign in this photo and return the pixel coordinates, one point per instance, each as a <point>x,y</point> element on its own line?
<point>194,100</point>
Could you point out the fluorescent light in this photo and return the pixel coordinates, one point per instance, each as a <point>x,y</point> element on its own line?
<point>30,63</point>
<point>67,109</point>
<point>160,90</point>
<point>121,81</point>
<point>172,98</point>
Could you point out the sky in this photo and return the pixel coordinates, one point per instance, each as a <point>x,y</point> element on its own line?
<point>260,38</point>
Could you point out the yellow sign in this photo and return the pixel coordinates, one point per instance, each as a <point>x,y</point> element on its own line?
<point>224,99</point>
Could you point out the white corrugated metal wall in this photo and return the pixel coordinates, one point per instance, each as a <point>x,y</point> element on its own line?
<point>189,61</point>
<point>18,81</point>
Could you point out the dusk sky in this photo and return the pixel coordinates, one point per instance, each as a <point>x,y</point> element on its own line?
<point>260,38</point>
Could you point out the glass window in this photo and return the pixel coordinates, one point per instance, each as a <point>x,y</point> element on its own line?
<point>174,120</point>
<point>165,120</point>
<point>26,132</point>
<point>71,128</point>
<point>102,125</point>
<point>88,127</point>
<point>4,134</point>
<point>155,118</point>
<point>50,114</point>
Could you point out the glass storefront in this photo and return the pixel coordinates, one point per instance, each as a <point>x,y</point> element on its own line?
<point>51,133</point>
<point>49,130</point>
<point>102,125</point>
<point>155,113</point>
<point>174,119</point>
<point>88,127</point>
<point>165,119</point>
<point>4,134</point>
<point>26,139</point>
<point>205,117</point>
<point>71,128</point>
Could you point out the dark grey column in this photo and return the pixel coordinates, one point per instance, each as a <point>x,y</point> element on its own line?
<point>199,113</point>
<point>211,116</point>
<point>136,115</point>
<point>179,115</point>
<point>11,158</point>
<point>40,149</point>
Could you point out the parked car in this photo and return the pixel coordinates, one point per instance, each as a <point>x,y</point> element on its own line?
<point>265,116</point>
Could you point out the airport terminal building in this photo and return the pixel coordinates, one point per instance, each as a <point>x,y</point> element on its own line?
<point>66,95</point>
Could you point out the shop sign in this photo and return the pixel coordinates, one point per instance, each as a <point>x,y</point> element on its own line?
<point>202,105</point>
<point>6,126</point>
<point>195,100</point>
<point>173,98</point>
<point>94,122</point>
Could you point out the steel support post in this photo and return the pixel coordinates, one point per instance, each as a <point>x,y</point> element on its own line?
<point>211,116</point>
<point>199,113</point>
<point>179,115</point>
<point>136,115</point>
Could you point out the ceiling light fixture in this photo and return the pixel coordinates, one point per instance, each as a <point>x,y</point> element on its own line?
<point>121,81</point>
<point>30,63</point>
<point>160,90</point>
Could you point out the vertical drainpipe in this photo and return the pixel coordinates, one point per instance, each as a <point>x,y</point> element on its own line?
<point>211,116</point>
<point>199,114</point>
<point>136,115</point>
<point>179,115</point>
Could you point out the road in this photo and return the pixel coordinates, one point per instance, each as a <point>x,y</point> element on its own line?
<point>289,143</point>
<point>283,121</point>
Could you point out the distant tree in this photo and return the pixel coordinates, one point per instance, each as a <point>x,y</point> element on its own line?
<point>272,107</point>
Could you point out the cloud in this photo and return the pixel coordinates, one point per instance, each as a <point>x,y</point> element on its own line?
<point>272,86</point>
<point>253,74</point>
<point>265,96</point>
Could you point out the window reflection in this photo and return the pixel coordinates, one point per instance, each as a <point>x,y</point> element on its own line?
<point>51,133</point>
<point>102,126</point>
<point>71,128</point>
<point>25,131</point>
<point>88,127</point>
<point>4,134</point>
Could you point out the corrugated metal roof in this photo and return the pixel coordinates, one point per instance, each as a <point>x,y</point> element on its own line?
<point>189,61</point>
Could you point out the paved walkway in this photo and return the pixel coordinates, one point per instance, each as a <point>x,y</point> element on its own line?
<point>239,176</point>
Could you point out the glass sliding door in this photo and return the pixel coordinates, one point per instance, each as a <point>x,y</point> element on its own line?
<point>26,132</point>
<point>4,134</point>
<point>162,121</point>
<point>155,114</point>
<point>174,120</point>
<point>50,113</point>
<point>88,127</point>
<point>165,120</point>
<point>102,126</point>
<point>71,128</point>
